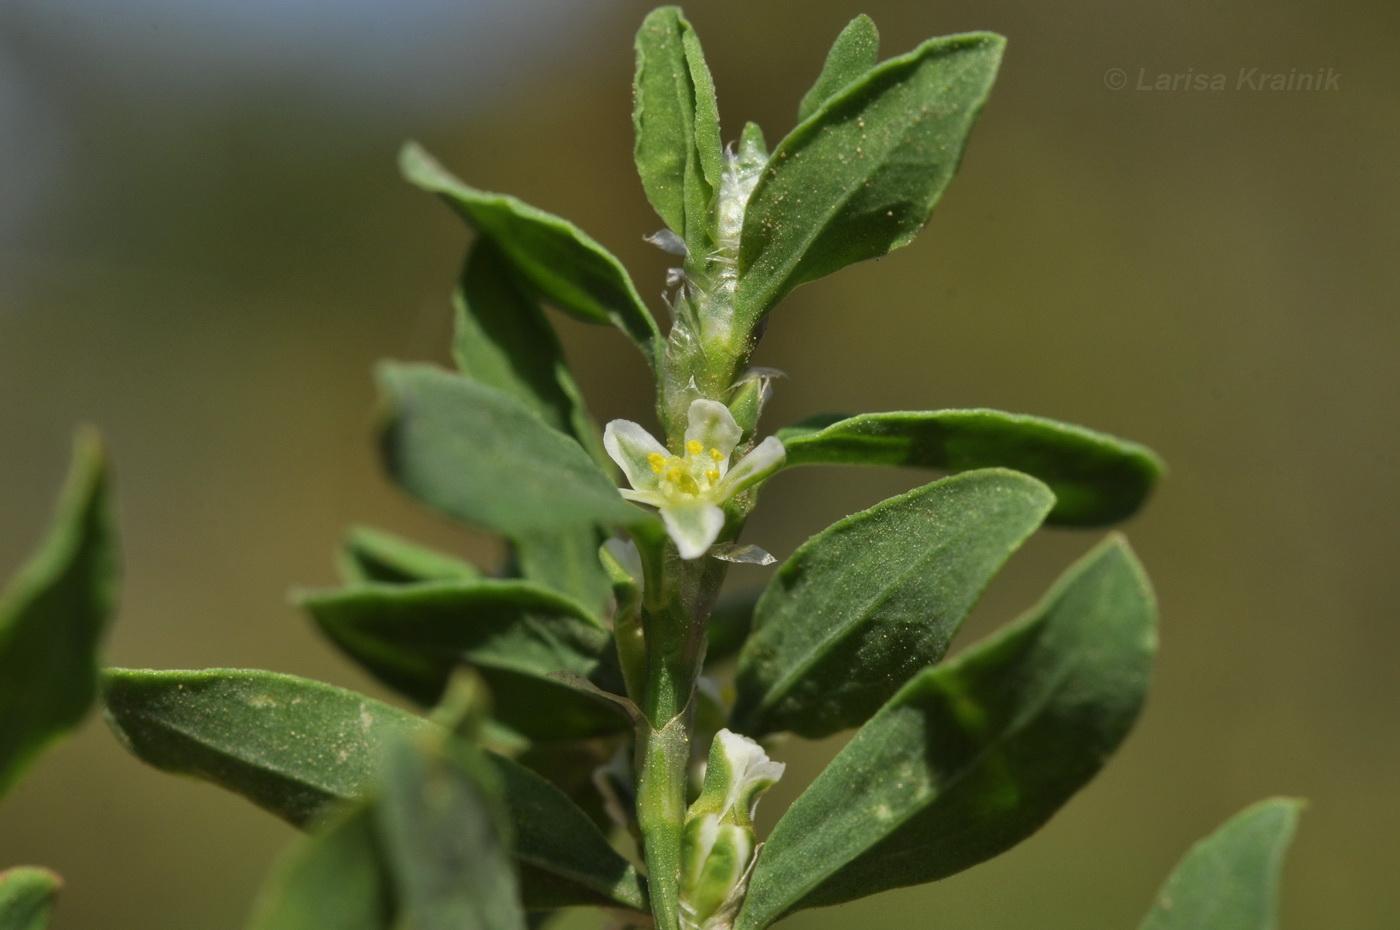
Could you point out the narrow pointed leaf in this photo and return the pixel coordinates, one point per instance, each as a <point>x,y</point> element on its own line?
<point>53,616</point>
<point>504,341</point>
<point>862,606</point>
<point>566,267</point>
<point>1097,479</point>
<point>474,453</point>
<point>855,51</point>
<point>676,119</point>
<point>974,755</point>
<point>1230,880</point>
<point>440,819</point>
<point>299,749</point>
<point>26,897</point>
<point>517,635</point>
<point>370,556</point>
<point>336,879</point>
<point>862,175</point>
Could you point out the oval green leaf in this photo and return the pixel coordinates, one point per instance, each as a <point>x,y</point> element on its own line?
<point>445,839</point>
<point>335,879</point>
<point>1097,479</point>
<point>677,150</point>
<point>292,746</point>
<point>565,266</point>
<point>26,897</point>
<point>53,616</point>
<point>475,454</point>
<point>517,635</point>
<point>862,174</point>
<point>972,756</point>
<point>862,606</point>
<point>565,561</point>
<point>370,556</point>
<point>855,51</point>
<point>504,341</point>
<point>299,749</point>
<point>1230,880</point>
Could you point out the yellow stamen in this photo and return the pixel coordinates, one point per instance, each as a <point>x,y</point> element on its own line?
<point>694,447</point>
<point>715,454</point>
<point>674,475</point>
<point>713,475</point>
<point>657,461</point>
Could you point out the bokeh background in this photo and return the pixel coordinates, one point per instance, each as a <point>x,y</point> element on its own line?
<point>204,246</point>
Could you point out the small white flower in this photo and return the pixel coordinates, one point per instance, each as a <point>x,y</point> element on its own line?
<point>689,489</point>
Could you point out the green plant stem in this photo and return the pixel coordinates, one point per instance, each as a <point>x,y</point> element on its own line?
<point>677,606</point>
<point>661,797</point>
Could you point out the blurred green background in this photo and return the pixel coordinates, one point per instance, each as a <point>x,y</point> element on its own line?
<point>204,246</point>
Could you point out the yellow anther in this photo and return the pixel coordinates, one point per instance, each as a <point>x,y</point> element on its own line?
<point>657,461</point>
<point>715,454</point>
<point>712,475</point>
<point>694,447</point>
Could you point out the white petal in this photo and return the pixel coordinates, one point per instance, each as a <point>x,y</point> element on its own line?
<point>764,459</point>
<point>629,445</point>
<point>751,771</point>
<point>710,423</point>
<point>651,498</point>
<point>693,527</point>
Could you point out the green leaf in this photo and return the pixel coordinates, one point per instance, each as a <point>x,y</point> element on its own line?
<point>430,851</point>
<point>565,561</point>
<point>370,556</point>
<point>293,747</point>
<point>862,175</point>
<point>677,150</point>
<point>1097,479</point>
<point>336,879</point>
<point>441,823</point>
<point>515,634</point>
<point>26,897</point>
<point>485,458</point>
<point>504,341</point>
<point>299,749</point>
<point>53,616</point>
<point>561,848</point>
<point>1230,880</point>
<point>862,606</point>
<point>855,51</point>
<point>566,267</point>
<point>751,140</point>
<point>972,756</point>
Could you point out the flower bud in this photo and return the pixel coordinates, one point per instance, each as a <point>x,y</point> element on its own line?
<point>717,844</point>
